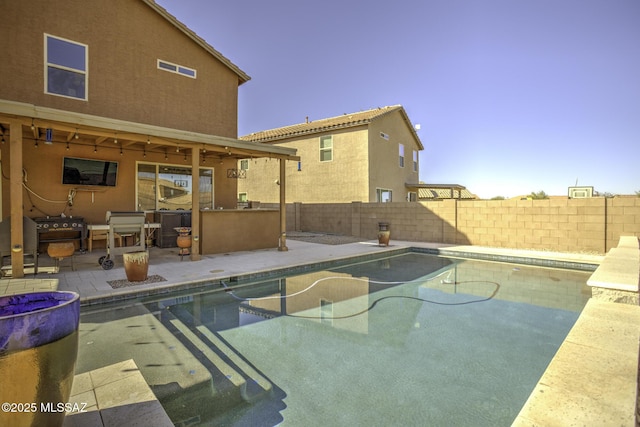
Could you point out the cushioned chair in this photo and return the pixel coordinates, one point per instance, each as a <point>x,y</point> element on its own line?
<point>30,237</point>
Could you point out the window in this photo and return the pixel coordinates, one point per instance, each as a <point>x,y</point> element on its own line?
<point>401,153</point>
<point>415,161</point>
<point>66,64</point>
<point>178,69</point>
<point>244,164</point>
<point>161,186</point>
<point>242,197</point>
<point>383,195</point>
<point>326,148</point>
<point>412,196</point>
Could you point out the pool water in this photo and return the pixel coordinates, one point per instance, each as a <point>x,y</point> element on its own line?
<point>413,339</point>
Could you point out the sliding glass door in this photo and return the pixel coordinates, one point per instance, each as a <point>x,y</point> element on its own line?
<point>170,187</point>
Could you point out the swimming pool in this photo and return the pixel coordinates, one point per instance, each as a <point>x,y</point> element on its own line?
<point>412,339</point>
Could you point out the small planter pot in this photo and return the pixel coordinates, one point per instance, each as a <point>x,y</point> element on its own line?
<point>38,350</point>
<point>384,233</point>
<point>136,265</point>
<point>183,240</point>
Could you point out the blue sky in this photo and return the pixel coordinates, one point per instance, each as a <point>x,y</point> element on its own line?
<point>512,96</point>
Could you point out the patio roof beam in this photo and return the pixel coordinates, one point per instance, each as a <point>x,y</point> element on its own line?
<point>140,132</point>
<point>129,139</point>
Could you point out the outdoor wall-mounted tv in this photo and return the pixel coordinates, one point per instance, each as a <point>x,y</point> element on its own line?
<point>89,172</point>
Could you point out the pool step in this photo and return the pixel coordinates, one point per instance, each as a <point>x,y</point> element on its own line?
<point>176,376</point>
<point>251,385</point>
<point>265,386</point>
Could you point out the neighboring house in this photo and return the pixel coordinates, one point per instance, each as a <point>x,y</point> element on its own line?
<point>126,85</point>
<point>443,191</point>
<point>369,156</point>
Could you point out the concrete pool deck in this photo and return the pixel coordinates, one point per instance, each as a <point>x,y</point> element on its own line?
<point>604,340</point>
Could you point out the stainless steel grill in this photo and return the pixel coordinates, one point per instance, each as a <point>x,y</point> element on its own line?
<point>125,224</point>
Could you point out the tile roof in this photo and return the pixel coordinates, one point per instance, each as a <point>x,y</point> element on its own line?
<point>444,193</point>
<point>323,125</point>
<point>440,191</point>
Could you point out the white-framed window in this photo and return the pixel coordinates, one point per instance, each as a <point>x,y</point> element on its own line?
<point>412,196</point>
<point>326,148</point>
<point>415,161</point>
<point>383,195</point>
<point>66,65</point>
<point>244,164</point>
<point>401,154</point>
<point>175,68</point>
<point>242,198</point>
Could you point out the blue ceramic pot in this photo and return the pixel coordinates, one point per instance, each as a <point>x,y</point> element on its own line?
<point>38,350</point>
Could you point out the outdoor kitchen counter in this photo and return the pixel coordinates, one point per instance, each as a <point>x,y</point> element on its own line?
<point>233,230</point>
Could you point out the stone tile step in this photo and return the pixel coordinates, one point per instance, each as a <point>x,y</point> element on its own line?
<point>115,395</point>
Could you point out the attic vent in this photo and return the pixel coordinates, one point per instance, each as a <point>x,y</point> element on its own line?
<point>384,136</point>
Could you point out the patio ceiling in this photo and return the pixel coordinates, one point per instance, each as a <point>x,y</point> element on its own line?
<point>83,129</point>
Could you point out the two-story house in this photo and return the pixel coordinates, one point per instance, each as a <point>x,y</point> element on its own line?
<point>368,156</point>
<point>115,105</point>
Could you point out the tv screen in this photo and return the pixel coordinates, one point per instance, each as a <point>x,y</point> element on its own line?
<point>89,172</point>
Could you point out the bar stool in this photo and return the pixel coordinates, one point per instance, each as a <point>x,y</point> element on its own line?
<point>61,250</point>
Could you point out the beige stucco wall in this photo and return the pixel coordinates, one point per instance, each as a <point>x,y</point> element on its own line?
<point>384,161</point>
<point>362,162</point>
<point>567,225</point>
<point>125,39</point>
<point>343,179</point>
<point>43,171</point>
<point>238,230</point>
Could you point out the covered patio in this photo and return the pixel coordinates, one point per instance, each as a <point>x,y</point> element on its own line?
<point>35,141</point>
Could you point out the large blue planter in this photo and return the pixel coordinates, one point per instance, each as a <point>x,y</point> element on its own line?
<point>38,349</point>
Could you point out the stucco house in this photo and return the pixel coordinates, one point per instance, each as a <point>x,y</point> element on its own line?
<point>368,156</point>
<point>110,105</point>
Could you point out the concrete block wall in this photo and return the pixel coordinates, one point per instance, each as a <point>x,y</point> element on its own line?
<point>564,225</point>
<point>623,219</point>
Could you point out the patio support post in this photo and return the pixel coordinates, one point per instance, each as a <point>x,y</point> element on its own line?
<point>15,185</point>
<point>282,244</point>
<point>195,203</point>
